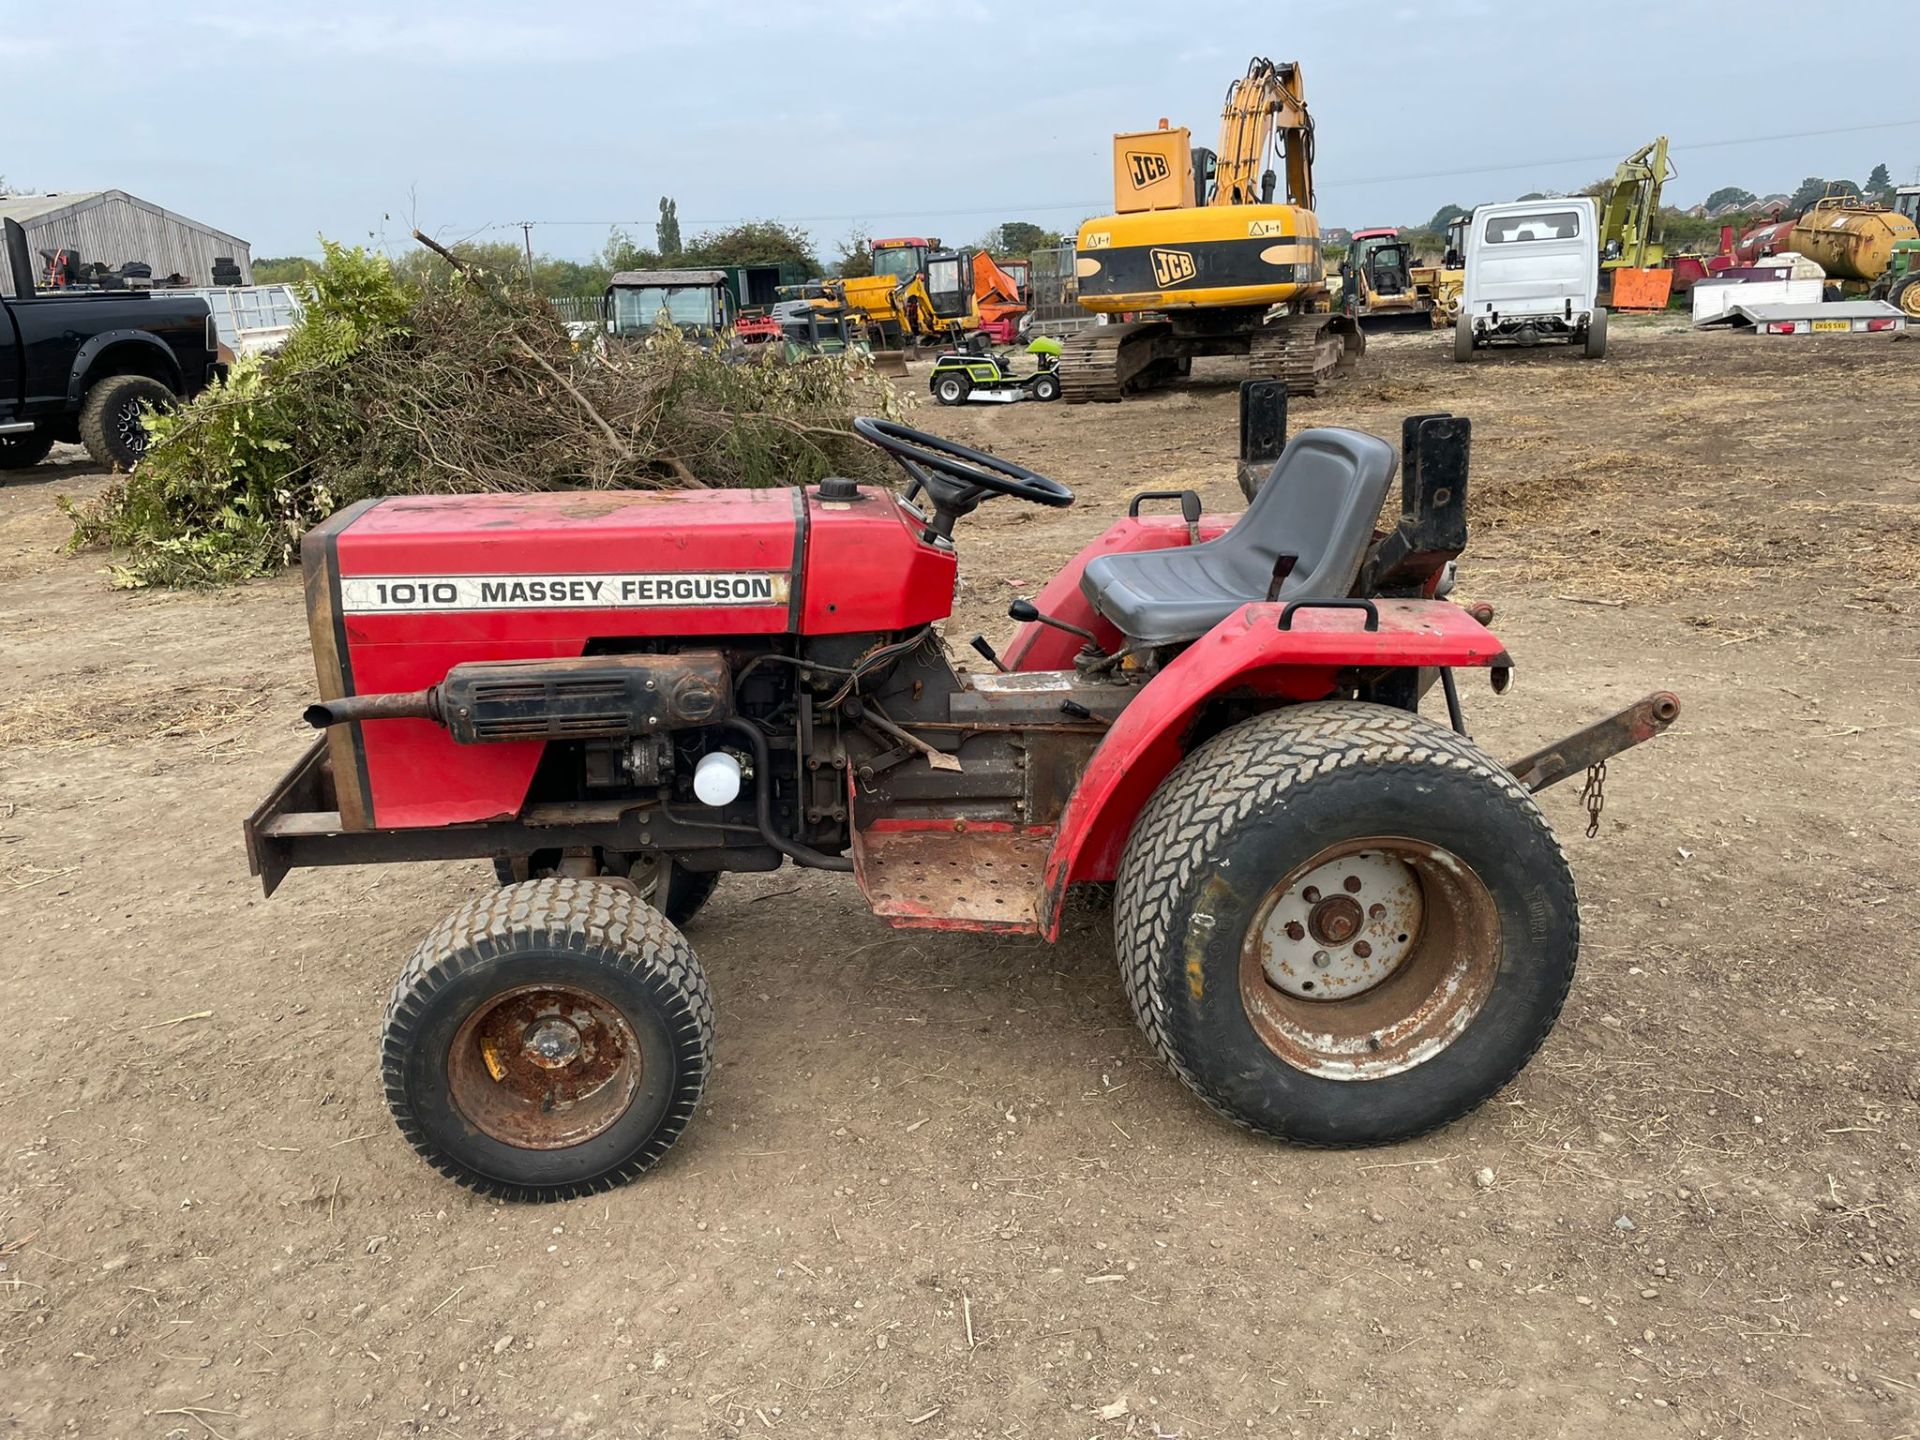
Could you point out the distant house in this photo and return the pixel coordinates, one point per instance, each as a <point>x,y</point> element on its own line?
<point>116,230</point>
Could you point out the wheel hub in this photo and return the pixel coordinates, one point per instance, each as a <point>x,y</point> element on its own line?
<point>544,1067</point>
<point>553,1043</point>
<point>1342,928</point>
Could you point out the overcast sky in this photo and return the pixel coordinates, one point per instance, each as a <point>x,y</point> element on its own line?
<point>281,122</point>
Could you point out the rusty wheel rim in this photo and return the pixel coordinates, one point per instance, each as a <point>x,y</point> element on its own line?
<point>1910,300</point>
<point>544,1067</point>
<point>1370,958</point>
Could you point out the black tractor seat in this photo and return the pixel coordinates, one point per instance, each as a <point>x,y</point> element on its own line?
<point>1318,506</point>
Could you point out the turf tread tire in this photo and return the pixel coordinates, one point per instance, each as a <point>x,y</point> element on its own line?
<point>582,916</point>
<point>1249,768</point>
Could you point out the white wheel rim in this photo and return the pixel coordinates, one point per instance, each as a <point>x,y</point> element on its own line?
<point>1343,928</point>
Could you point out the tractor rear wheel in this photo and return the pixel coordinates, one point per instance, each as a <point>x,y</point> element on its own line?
<point>1463,339</point>
<point>547,1040</point>
<point>1597,335</point>
<point>952,389</point>
<point>1906,297</point>
<point>1342,924</point>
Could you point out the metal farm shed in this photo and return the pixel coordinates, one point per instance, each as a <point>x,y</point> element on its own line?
<point>115,228</point>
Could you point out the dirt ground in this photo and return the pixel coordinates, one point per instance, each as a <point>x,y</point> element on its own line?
<point>939,1187</point>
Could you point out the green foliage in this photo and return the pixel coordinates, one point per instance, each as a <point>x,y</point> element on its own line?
<point>1731,195</point>
<point>281,269</point>
<point>1016,238</point>
<point>856,257</point>
<point>1814,188</point>
<point>1444,217</point>
<point>389,387</point>
<point>667,232</point>
<point>1879,182</point>
<point>621,253</point>
<point>757,242</point>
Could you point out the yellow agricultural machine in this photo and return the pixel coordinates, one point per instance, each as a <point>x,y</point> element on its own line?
<point>1200,259</point>
<point>1633,270</point>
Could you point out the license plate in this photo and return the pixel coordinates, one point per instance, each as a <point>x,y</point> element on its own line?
<point>1820,325</point>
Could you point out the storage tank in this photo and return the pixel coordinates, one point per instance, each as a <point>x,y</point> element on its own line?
<point>1765,239</point>
<point>1851,240</point>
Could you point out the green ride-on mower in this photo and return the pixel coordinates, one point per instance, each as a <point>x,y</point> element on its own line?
<point>959,376</point>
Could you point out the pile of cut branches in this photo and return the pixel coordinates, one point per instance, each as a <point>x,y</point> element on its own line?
<point>385,389</point>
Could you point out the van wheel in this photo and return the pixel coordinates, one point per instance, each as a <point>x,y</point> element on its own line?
<point>23,452</point>
<point>952,389</point>
<point>1597,335</point>
<point>1463,339</point>
<point>547,1040</point>
<point>1343,924</point>
<point>111,426</point>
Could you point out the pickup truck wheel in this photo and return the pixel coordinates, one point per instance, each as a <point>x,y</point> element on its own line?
<point>1597,336</point>
<point>1343,924</point>
<point>110,425</point>
<point>547,1040</point>
<point>23,452</point>
<point>1463,339</point>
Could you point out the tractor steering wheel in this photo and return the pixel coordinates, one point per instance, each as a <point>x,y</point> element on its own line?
<point>956,477</point>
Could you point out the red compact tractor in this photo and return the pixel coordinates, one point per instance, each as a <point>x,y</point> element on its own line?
<point>1338,921</point>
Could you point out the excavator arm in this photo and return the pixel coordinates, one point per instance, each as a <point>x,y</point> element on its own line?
<point>1266,101</point>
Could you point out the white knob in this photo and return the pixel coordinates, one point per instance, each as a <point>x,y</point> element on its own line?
<point>716,779</point>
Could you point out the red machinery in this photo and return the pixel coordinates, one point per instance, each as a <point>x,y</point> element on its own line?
<point>1338,921</point>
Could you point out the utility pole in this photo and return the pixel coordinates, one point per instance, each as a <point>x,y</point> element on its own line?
<point>526,234</point>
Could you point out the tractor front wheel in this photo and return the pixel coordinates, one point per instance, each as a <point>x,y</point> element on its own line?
<point>548,1040</point>
<point>1906,297</point>
<point>952,389</point>
<point>1342,924</point>
<point>1046,387</point>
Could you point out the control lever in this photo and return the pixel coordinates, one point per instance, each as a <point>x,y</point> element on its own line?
<point>1282,568</point>
<point>1027,613</point>
<point>979,642</point>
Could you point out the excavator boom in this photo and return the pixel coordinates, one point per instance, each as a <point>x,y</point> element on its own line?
<point>1266,100</point>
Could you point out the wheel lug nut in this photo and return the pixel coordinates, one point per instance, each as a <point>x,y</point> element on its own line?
<point>1362,949</point>
<point>1377,912</point>
<point>1311,894</point>
<point>1352,884</point>
<point>1321,959</point>
<point>1295,930</point>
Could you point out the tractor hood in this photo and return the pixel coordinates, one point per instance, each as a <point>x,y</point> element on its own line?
<point>399,591</point>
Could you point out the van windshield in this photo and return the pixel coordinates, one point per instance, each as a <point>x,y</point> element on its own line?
<point>1533,225</point>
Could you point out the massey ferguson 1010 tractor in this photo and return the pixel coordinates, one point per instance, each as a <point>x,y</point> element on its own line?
<point>1338,921</point>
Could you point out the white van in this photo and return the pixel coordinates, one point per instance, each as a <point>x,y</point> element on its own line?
<point>1533,274</point>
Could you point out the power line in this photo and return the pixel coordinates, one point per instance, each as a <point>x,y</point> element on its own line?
<point>1094,206</point>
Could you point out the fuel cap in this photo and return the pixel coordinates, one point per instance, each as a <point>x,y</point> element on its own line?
<point>839,487</point>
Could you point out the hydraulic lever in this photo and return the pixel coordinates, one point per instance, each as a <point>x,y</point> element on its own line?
<point>1027,613</point>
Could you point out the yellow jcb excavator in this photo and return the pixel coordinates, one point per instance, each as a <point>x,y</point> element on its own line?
<point>1200,248</point>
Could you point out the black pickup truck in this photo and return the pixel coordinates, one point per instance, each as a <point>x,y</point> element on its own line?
<point>77,366</point>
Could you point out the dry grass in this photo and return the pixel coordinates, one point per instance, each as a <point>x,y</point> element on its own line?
<point>105,715</point>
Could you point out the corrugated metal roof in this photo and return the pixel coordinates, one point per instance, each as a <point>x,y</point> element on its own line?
<point>113,227</point>
<point>34,207</point>
<point>634,279</point>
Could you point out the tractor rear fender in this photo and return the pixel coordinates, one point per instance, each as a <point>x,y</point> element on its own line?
<point>1249,657</point>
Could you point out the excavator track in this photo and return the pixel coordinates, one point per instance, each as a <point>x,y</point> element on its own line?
<point>1305,351</point>
<point>1103,361</point>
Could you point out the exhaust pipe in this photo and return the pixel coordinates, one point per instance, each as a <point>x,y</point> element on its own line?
<point>19,261</point>
<point>402,705</point>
